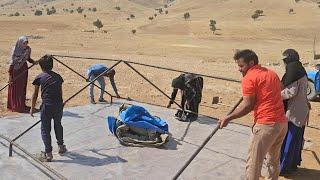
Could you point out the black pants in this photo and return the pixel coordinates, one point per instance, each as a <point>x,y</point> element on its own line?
<point>49,112</point>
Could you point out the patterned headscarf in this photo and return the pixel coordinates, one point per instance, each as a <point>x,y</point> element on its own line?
<point>20,54</point>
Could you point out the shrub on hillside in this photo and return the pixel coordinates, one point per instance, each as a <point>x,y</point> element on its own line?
<point>98,24</point>
<point>213,25</point>
<point>94,9</point>
<point>151,18</point>
<point>16,14</point>
<point>259,11</point>
<point>132,16</point>
<point>38,13</point>
<point>79,10</point>
<point>134,31</point>
<point>166,11</point>
<point>155,15</point>
<point>255,16</point>
<point>84,15</point>
<point>186,15</point>
<point>290,11</point>
<point>118,8</point>
<point>165,6</point>
<point>71,11</point>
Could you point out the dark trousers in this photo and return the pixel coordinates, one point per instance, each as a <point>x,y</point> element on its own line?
<point>49,112</point>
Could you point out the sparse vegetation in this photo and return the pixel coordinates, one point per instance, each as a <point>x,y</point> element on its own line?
<point>79,10</point>
<point>291,11</point>
<point>166,11</point>
<point>85,16</point>
<point>255,16</point>
<point>118,8</point>
<point>155,15</point>
<point>259,12</point>
<point>165,6</point>
<point>98,24</point>
<point>89,9</point>
<point>17,14</point>
<point>51,11</point>
<point>134,31</point>
<point>72,4</point>
<point>38,13</point>
<point>213,25</point>
<point>160,11</point>
<point>128,19</point>
<point>94,9</point>
<point>186,15</point>
<point>150,18</point>
<point>132,16</point>
<point>71,11</point>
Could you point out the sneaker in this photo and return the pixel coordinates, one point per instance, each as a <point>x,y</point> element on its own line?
<point>45,157</point>
<point>62,149</point>
<point>92,101</point>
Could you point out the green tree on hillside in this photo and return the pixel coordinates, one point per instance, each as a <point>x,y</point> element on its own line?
<point>98,24</point>
<point>213,25</point>
<point>255,16</point>
<point>186,15</point>
<point>38,13</point>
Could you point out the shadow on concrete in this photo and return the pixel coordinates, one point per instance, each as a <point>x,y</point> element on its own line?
<point>84,160</point>
<point>303,173</point>
<point>71,114</point>
<point>30,161</point>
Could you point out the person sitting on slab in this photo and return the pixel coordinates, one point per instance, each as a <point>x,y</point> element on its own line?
<point>94,71</point>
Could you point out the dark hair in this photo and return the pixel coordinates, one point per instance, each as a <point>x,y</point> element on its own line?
<point>46,63</point>
<point>247,55</point>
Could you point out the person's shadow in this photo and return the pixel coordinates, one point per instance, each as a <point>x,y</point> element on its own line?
<point>85,160</point>
<point>303,173</point>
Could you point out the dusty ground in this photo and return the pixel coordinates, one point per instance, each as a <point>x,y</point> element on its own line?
<point>169,41</point>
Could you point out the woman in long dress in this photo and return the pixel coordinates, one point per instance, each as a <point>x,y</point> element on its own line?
<point>297,111</point>
<point>18,75</point>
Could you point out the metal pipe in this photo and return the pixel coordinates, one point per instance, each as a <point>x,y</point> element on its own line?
<point>25,131</point>
<point>204,143</point>
<point>157,67</point>
<point>14,79</point>
<point>135,70</point>
<point>79,74</point>
<point>106,71</point>
<point>33,157</point>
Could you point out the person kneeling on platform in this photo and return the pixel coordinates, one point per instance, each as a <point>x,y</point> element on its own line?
<point>191,87</point>
<point>51,107</point>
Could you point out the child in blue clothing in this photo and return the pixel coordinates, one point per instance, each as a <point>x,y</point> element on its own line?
<point>94,71</point>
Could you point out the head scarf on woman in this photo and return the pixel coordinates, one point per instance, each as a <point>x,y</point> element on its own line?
<point>20,53</point>
<point>294,68</point>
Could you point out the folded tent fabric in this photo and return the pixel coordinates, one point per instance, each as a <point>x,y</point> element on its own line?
<point>139,117</point>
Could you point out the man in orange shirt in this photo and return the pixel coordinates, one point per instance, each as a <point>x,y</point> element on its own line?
<point>261,90</point>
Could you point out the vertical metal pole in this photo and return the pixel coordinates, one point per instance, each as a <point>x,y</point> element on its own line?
<point>10,150</point>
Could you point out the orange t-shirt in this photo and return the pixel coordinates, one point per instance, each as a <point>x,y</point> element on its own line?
<point>266,86</point>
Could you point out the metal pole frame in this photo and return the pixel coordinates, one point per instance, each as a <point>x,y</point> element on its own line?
<point>204,143</point>
<point>111,96</point>
<point>12,143</point>
<point>19,76</point>
<point>153,66</point>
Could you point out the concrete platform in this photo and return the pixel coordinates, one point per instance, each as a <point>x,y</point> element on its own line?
<point>96,154</point>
